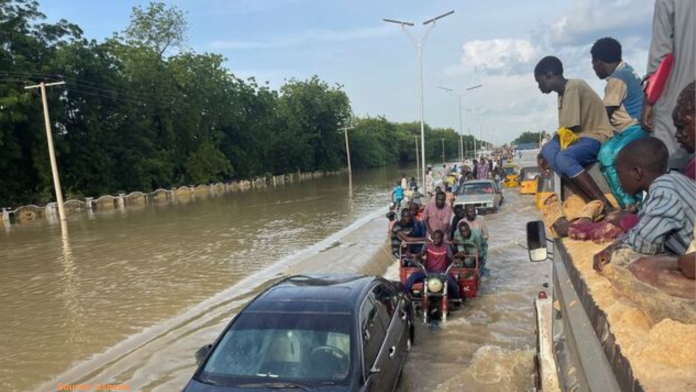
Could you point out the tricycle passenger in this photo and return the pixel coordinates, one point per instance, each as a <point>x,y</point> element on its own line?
<point>405,230</point>
<point>436,256</point>
<point>467,242</point>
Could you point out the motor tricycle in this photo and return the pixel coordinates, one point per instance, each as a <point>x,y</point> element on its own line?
<point>429,298</point>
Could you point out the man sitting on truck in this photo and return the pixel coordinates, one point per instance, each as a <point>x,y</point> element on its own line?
<point>583,126</point>
<point>666,219</point>
<point>623,99</point>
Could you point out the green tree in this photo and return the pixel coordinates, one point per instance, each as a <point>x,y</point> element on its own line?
<point>157,26</point>
<point>530,137</point>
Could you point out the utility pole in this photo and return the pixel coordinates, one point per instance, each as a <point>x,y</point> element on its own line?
<point>345,131</point>
<point>51,152</point>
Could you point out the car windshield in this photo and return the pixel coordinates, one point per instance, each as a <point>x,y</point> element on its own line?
<point>477,189</point>
<point>509,170</point>
<point>528,175</point>
<point>282,347</point>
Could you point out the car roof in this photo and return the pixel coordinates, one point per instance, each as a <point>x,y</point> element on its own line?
<point>478,182</point>
<point>323,293</point>
<point>533,169</point>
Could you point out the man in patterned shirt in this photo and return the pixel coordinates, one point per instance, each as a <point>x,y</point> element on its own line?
<point>666,219</point>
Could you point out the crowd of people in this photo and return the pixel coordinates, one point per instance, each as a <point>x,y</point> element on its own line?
<point>438,235</point>
<point>449,180</point>
<point>641,135</point>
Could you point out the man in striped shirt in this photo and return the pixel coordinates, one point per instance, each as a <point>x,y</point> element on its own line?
<point>666,219</point>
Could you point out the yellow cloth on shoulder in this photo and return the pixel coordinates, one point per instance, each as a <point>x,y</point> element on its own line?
<point>566,137</point>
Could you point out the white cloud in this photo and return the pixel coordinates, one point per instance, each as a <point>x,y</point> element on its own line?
<point>307,37</point>
<point>498,55</point>
<point>588,20</point>
<point>505,64</point>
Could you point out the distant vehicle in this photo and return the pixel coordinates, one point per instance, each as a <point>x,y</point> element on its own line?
<point>544,189</point>
<point>511,175</point>
<point>485,195</point>
<point>317,333</point>
<point>528,180</point>
<point>527,146</point>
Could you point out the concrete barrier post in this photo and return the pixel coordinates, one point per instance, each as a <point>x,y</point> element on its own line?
<point>51,211</point>
<point>6,217</point>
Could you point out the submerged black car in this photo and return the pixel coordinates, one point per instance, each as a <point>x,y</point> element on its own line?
<point>317,333</point>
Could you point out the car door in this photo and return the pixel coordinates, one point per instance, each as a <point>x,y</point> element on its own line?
<point>372,337</point>
<point>498,198</point>
<point>396,327</point>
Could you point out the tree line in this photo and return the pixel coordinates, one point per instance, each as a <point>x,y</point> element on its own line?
<point>140,111</point>
<point>530,137</point>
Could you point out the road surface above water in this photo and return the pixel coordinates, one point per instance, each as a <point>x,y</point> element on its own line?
<point>128,298</point>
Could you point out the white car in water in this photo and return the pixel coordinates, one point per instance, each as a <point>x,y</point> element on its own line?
<point>485,195</point>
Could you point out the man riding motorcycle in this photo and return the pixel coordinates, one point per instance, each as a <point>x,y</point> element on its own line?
<point>436,256</point>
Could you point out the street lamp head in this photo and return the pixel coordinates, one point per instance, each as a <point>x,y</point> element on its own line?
<point>438,17</point>
<point>449,90</point>
<point>399,22</point>
<point>474,87</point>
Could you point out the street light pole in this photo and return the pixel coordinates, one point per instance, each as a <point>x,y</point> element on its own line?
<point>471,133</point>
<point>417,160</point>
<point>461,133</point>
<point>466,91</point>
<point>419,51</point>
<point>443,151</point>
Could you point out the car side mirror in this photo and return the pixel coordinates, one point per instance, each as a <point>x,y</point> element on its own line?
<point>536,241</point>
<point>202,353</point>
<point>396,285</point>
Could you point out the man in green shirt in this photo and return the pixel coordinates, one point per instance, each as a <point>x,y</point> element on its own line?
<point>467,242</point>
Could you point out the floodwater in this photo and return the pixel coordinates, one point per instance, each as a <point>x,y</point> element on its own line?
<point>127,298</point>
<point>156,276</point>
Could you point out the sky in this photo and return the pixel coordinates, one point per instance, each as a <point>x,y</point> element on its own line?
<point>493,42</point>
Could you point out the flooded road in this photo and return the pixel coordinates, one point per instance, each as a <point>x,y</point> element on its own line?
<point>127,298</point>
<point>123,279</point>
<point>488,345</point>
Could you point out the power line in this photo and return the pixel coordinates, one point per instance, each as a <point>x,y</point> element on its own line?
<point>76,81</point>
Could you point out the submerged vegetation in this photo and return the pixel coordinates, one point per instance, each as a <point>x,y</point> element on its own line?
<point>140,110</point>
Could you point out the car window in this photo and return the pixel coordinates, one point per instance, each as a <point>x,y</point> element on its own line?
<point>308,348</point>
<point>385,296</point>
<point>477,189</point>
<point>373,331</point>
<point>529,175</point>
